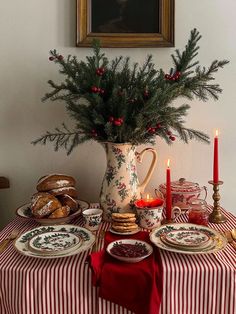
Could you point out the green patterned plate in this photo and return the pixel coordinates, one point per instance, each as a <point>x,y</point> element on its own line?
<point>186,238</point>
<point>216,240</point>
<point>22,242</point>
<point>54,242</point>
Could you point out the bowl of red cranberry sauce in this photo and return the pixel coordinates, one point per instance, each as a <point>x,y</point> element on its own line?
<point>129,250</point>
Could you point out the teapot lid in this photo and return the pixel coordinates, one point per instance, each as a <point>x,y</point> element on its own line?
<point>182,186</point>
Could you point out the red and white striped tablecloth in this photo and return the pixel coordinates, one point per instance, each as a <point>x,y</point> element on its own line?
<point>192,284</point>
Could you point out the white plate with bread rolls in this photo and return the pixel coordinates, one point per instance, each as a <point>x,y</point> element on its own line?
<point>25,211</point>
<point>55,202</point>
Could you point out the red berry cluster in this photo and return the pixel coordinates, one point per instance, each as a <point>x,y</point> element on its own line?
<point>60,57</point>
<point>152,130</point>
<point>173,77</point>
<point>171,136</point>
<point>116,122</point>
<point>97,90</point>
<point>100,71</point>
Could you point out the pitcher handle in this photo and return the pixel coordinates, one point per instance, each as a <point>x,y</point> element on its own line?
<point>139,157</point>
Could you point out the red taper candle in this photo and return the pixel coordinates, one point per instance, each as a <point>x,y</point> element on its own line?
<point>216,161</point>
<point>168,193</point>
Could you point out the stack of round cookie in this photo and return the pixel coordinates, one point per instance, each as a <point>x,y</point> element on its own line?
<point>124,222</point>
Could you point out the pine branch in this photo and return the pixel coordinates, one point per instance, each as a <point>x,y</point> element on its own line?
<point>183,60</point>
<point>119,102</point>
<point>62,139</point>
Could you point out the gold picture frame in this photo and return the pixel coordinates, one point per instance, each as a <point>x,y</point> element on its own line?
<point>156,30</point>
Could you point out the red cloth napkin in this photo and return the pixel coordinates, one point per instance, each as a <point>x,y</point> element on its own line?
<point>135,286</point>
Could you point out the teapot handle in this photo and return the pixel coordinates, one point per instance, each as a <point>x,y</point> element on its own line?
<point>205,189</point>
<point>139,157</point>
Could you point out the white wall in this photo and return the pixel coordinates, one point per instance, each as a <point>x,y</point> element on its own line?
<point>30,28</point>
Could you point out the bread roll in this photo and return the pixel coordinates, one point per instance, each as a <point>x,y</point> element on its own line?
<point>43,204</point>
<point>61,212</point>
<point>69,190</point>
<point>55,181</point>
<point>67,200</point>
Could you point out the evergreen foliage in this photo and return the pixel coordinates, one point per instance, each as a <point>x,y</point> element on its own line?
<point>119,102</point>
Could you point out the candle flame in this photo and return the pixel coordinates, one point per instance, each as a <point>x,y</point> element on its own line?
<point>217,132</point>
<point>168,163</point>
<point>148,196</point>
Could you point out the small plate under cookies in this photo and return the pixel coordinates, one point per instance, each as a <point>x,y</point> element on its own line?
<point>125,233</point>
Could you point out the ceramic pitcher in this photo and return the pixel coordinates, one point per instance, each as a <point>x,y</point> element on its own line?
<point>120,186</point>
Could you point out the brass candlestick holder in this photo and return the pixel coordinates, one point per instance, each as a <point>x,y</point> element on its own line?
<point>216,216</point>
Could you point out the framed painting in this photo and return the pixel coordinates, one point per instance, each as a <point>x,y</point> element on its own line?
<point>125,23</point>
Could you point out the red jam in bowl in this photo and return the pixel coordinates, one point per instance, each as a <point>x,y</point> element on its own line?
<point>129,250</point>
<point>198,216</point>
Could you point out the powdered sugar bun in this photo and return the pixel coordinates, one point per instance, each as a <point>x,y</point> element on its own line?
<point>54,181</point>
<point>43,204</point>
<point>69,190</point>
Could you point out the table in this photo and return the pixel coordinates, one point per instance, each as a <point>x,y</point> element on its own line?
<point>192,284</point>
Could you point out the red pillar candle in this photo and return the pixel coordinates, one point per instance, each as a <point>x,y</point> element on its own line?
<point>168,193</point>
<point>216,162</point>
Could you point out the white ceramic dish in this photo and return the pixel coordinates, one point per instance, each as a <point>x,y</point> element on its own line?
<point>127,246</point>
<point>54,242</point>
<point>22,242</point>
<point>208,245</point>
<point>186,238</point>
<point>218,242</point>
<point>24,212</point>
<point>125,233</point>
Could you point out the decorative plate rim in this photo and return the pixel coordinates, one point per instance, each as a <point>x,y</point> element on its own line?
<point>219,242</point>
<point>130,259</point>
<point>87,236</point>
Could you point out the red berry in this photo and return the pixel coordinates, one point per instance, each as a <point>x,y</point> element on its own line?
<point>117,123</point>
<point>158,126</point>
<point>177,73</point>
<point>94,89</point>
<point>60,57</point>
<point>94,132</point>
<point>169,133</point>
<point>121,120</point>
<point>146,93</point>
<point>151,130</point>
<point>51,58</point>
<point>172,138</point>
<point>111,119</point>
<point>102,91</point>
<point>167,76</point>
<point>100,71</point>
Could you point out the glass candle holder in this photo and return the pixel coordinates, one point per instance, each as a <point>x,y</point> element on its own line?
<point>197,213</point>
